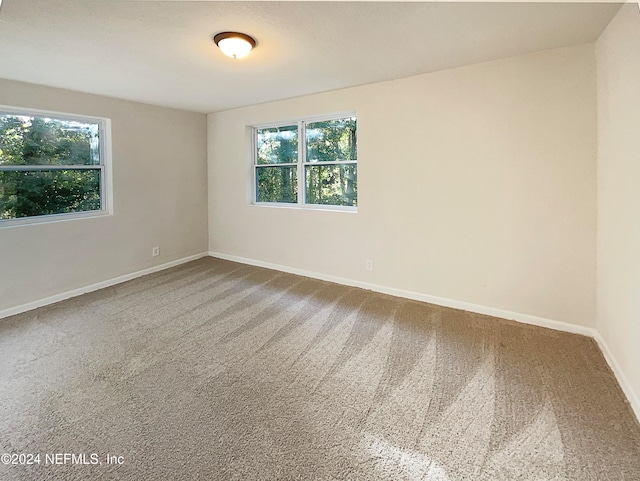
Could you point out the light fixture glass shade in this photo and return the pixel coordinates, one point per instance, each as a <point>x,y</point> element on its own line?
<point>235,45</point>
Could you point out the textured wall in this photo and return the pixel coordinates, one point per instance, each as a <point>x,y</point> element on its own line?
<point>159,197</point>
<point>618,284</point>
<point>476,184</point>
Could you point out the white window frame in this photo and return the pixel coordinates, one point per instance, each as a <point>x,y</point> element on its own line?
<point>106,187</point>
<point>300,164</point>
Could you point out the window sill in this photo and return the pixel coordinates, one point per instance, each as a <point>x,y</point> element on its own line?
<point>317,207</point>
<point>49,219</point>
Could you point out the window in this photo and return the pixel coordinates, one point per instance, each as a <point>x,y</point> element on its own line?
<point>307,163</point>
<point>51,165</point>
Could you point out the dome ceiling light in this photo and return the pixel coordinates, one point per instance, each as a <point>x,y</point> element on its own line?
<point>234,44</point>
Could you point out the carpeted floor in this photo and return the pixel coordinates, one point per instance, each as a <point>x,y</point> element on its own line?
<point>222,371</point>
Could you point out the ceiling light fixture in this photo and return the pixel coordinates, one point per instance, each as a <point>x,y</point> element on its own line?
<point>234,44</point>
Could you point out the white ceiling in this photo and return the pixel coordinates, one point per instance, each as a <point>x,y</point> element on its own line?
<point>162,53</point>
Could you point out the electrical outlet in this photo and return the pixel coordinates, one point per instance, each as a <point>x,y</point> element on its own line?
<point>155,251</point>
<point>369,264</point>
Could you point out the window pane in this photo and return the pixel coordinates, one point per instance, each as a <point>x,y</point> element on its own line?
<point>331,140</point>
<point>332,184</point>
<point>277,184</point>
<point>278,145</point>
<point>33,193</point>
<point>28,140</point>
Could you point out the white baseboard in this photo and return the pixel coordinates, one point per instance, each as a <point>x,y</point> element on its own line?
<point>632,397</point>
<point>94,287</point>
<point>417,296</point>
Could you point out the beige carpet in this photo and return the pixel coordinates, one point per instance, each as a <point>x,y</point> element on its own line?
<point>217,370</point>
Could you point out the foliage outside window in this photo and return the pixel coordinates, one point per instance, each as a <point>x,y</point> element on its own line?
<point>50,164</point>
<point>311,162</point>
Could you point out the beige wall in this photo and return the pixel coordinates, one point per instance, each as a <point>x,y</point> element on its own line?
<point>476,184</point>
<point>159,197</point>
<point>618,282</point>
